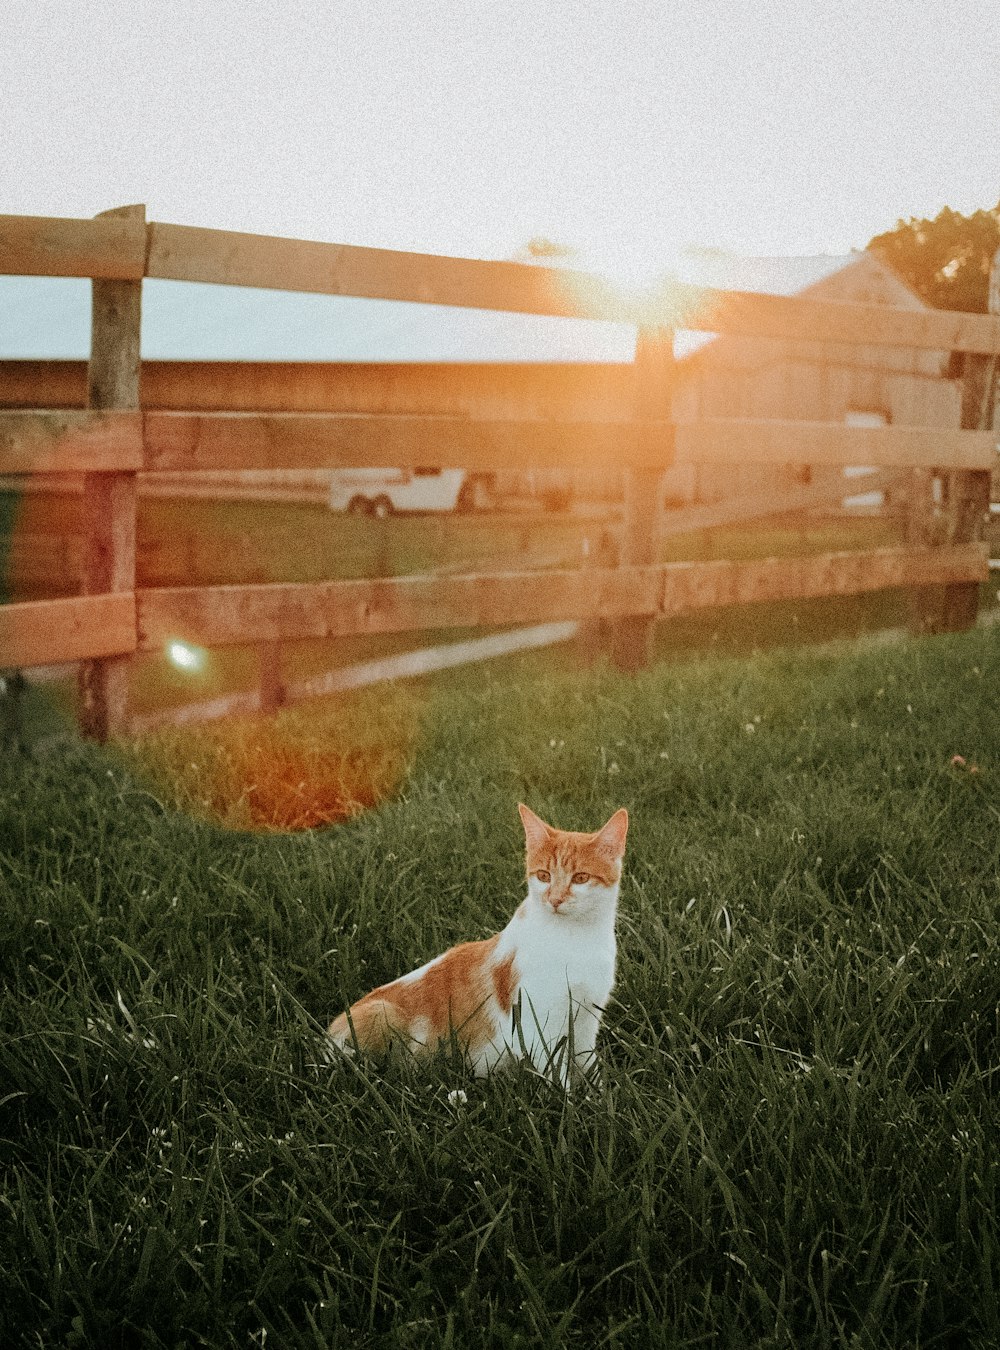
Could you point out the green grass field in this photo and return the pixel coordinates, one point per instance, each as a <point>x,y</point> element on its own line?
<point>795,1143</point>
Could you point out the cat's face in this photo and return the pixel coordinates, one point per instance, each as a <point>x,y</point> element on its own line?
<point>572,875</point>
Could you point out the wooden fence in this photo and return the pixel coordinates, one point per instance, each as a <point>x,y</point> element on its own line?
<point>188,419</point>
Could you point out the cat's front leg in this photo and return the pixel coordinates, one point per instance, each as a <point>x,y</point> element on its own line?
<point>570,1058</point>
<point>582,1057</point>
<point>539,1035</point>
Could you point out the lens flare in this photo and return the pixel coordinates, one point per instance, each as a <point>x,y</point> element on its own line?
<point>186,657</point>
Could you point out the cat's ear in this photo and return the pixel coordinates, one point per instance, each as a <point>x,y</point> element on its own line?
<point>536,832</point>
<point>610,839</point>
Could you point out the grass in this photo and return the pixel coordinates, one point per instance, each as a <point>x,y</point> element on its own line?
<point>795,1141</point>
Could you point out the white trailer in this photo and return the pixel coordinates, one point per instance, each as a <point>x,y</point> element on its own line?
<point>386,492</point>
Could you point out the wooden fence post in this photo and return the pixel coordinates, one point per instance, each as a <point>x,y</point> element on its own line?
<point>654,371</point>
<point>109,499</point>
<point>272,687</point>
<point>969,491</point>
<point>921,529</point>
<point>594,636</point>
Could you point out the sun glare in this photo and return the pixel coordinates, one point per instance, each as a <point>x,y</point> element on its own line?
<point>636,269</point>
<point>639,282</point>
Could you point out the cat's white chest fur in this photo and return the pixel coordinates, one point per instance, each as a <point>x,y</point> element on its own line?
<point>565,973</point>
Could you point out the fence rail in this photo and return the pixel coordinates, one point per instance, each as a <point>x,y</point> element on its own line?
<point>106,248</point>
<point>119,248</point>
<point>59,441</point>
<point>79,628</point>
<point>194,417</point>
<point>66,630</point>
<point>220,615</point>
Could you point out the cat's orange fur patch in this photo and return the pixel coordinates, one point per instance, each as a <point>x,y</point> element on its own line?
<point>452,994</point>
<point>505,983</point>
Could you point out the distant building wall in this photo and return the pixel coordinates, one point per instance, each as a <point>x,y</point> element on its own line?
<point>801,381</point>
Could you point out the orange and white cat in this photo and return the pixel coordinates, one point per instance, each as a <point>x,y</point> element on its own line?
<point>537,989</point>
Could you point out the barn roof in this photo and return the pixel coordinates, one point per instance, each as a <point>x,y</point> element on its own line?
<point>49,318</point>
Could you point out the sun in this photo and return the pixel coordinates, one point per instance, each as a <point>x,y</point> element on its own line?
<point>634,281</point>
<point>635,266</point>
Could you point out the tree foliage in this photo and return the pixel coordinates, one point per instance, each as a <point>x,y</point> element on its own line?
<point>946,260</point>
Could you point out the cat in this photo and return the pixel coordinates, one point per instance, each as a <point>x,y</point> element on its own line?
<point>537,989</point>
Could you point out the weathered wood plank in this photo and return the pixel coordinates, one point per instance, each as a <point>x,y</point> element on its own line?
<point>108,515</point>
<point>221,615</point>
<point>690,586</point>
<point>234,614</point>
<point>747,314</point>
<point>69,441</point>
<point>733,440</point>
<point>107,247</point>
<point>737,510</point>
<point>110,248</point>
<point>271,693</point>
<point>115,366</point>
<point>467,389</point>
<point>193,441</point>
<point>186,253</point>
<point>47,632</point>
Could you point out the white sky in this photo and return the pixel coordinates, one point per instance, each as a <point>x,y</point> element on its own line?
<point>618,127</point>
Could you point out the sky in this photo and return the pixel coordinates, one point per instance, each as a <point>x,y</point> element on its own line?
<point>623,129</point>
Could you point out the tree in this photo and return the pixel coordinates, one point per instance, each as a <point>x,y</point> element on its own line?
<point>946,260</point>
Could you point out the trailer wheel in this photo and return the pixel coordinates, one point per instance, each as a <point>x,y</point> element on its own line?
<point>381,507</point>
<point>359,506</point>
<point>476,493</point>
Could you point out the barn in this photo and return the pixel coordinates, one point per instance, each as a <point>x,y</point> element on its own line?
<point>802,380</point>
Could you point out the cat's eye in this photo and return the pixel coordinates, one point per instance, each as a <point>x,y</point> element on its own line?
<point>579,878</point>
<point>544,876</point>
